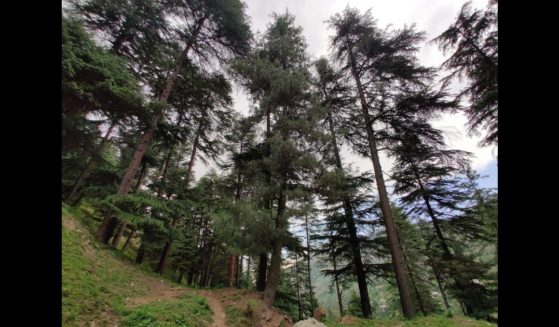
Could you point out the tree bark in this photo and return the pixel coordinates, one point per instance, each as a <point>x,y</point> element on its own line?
<point>85,172</point>
<point>239,272</point>
<point>353,239</point>
<point>118,235</point>
<point>140,255</point>
<point>338,291</point>
<point>436,223</point>
<point>232,270</point>
<point>299,306</point>
<point>146,138</point>
<point>141,177</point>
<point>263,262</point>
<point>190,280</point>
<point>412,280</point>
<point>275,263</point>
<point>233,275</point>
<point>110,225</point>
<point>309,266</point>
<point>439,282</point>
<point>398,261</point>
<point>209,266</point>
<point>262,269</point>
<point>132,232</point>
<point>165,253</point>
<point>193,155</point>
<point>248,271</point>
<point>181,274</point>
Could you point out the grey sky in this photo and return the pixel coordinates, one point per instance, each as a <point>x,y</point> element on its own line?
<point>430,16</point>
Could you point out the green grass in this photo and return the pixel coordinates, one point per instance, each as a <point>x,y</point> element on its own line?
<point>247,316</point>
<point>188,311</point>
<point>97,280</point>
<point>429,321</point>
<point>236,317</point>
<point>94,282</point>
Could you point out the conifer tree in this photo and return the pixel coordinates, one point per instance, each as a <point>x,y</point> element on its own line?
<point>217,29</point>
<point>357,43</point>
<point>472,41</point>
<point>277,75</point>
<point>335,97</point>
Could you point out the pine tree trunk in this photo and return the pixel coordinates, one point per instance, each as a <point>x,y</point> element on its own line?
<point>299,306</point>
<point>141,177</point>
<point>274,270</point>
<point>412,280</point>
<point>353,239</point>
<point>209,266</point>
<point>159,193</point>
<point>437,274</point>
<point>338,291</point>
<point>233,274</point>
<point>309,266</point>
<point>140,255</point>
<point>193,155</point>
<point>165,253</point>
<point>85,172</point>
<point>262,269</point>
<point>434,220</point>
<point>119,233</point>
<point>132,232</point>
<point>440,285</point>
<point>110,226</point>
<point>166,163</point>
<point>181,274</point>
<point>239,272</point>
<point>190,277</point>
<point>145,140</point>
<point>263,262</point>
<point>248,271</point>
<point>402,277</point>
<point>275,263</point>
<point>232,270</point>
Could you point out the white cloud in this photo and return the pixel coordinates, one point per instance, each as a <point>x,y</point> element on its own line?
<point>457,138</point>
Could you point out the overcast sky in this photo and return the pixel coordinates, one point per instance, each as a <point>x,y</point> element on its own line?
<point>430,16</point>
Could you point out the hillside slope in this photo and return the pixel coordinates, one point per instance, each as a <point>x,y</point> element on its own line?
<point>102,287</point>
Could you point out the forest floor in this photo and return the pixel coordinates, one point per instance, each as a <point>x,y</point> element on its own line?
<point>103,287</point>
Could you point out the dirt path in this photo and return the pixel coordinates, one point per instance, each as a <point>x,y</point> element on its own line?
<point>217,308</point>
<point>158,290</point>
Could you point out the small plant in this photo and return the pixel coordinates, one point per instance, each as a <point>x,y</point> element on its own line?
<point>139,318</point>
<point>249,312</point>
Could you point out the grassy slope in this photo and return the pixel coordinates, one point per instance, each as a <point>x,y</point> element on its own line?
<point>96,282</point>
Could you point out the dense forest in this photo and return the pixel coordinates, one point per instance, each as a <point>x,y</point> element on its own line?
<point>147,94</point>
